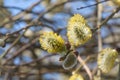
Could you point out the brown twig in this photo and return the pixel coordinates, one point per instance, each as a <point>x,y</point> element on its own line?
<point>88,58</point>
<point>24,11</point>
<point>18,8</point>
<point>10,34</point>
<point>109,17</point>
<point>106,20</point>
<point>92,5</point>
<point>13,44</point>
<point>84,65</point>
<point>40,59</point>
<point>51,8</point>
<point>20,50</point>
<point>99,16</point>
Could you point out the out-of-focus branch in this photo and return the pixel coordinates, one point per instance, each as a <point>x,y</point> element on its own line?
<point>40,59</point>
<point>17,8</point>
<point>51,8</point>
<point>20,50</point>
<point>86,60</point>
<point>92,5</point>
<point>23,12</point>
<point>13,44</point>
<point>99,17</point>
<point>84,65</point>
<point>106,20</point>
<point>109,17</point>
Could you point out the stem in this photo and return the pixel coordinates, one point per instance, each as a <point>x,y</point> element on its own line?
<point>118,77</point>
<point>88,58</point>
<point>99,15</point>
<point>84,65</point>
<point>109,17</point>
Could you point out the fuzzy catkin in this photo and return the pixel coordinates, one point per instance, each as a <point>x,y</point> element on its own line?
<point>78,31</point>
<point>106,59</point>
<point>52,42</point>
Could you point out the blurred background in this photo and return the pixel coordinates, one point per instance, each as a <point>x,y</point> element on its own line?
<point>22,21</point>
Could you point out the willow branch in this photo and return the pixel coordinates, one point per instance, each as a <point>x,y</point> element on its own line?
<point>109,17</point>
<point>20,50</point>
<point>13,44</point>
<point>92,5</point>
<point>84,65</point>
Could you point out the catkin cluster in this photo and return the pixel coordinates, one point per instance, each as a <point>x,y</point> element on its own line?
<point>78,32</point>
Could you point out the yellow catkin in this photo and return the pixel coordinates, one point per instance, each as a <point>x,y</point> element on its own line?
<point>52,42</point>
<point>106,59</point>
<point>76,76</point>
<point>117,2</point>
<point>78,31</point>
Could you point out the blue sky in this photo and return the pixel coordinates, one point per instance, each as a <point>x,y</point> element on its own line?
<point>18,3</point>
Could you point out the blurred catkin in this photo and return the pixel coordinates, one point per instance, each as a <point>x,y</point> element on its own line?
<point>106,59</point>
<point>116,2</point>
<point>78,31</point>
<point>76,76</point>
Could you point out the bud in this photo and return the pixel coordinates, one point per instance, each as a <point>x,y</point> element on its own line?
<point>70,61</point>
<point>78,31</point>
<point>29,33</point>
<point>52,42</point>
<point>106,59</point>
<point>2,42</point>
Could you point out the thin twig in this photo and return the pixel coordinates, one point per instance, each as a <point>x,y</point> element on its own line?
<point>109,17</point>
<point>20,50</point>
<point>106,20</point>
<point>118,77</point>
<point>40,59</point>
<point>88,58</point>
<point>84,65</point>
<point>13,44</point>
<point>18,8</point>
<point>49,9</point>
<point>23,11</point>
<point>99,16</point>
<point>92,5</point>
